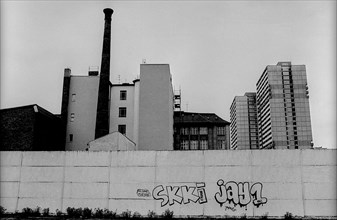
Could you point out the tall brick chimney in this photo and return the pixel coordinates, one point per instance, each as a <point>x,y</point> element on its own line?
<point>102,115</point>
<point>65,103</point>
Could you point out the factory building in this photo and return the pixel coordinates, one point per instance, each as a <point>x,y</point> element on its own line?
<point>92,107</point>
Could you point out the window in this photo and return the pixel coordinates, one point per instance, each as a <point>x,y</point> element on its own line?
<point>122,112</point>
<point>184,145</point>
<point>122,129</point>
<point>221,144</point>
<point>203,144</point>
<point>194,145</point>
<point>220,130</point>
<point>73,97</point>
<point>71,136</point>
<point>72,117</point>
<point>194,130</point>
<point>122,95</point>
<point>184,131</point>
<point>203,130</point>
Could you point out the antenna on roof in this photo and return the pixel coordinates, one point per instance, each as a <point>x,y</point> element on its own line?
<point>144,61</point>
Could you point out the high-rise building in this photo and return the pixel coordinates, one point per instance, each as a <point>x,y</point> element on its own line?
<point>243,128</point>
<point>283,107</point>
<point>200,131</point>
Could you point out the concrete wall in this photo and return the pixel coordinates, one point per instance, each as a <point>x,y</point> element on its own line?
<point>210,183</point>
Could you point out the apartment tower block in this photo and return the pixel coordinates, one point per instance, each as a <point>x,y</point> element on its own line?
<point>283,112</point>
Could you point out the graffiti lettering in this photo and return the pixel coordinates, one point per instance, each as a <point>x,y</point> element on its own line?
<point>143,193</point>
<point>180,194</point>
<point>239,193</point>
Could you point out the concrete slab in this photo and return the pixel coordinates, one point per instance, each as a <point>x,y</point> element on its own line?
<point>9,204</point>
<point>280,208</point>
<point>319,157</point>
<point>85,190</point>
<point>87,174</point>
<point>226,157</point>
<point>52,204</point>
<point>43,158</point>
<point>180,209</point>
<point>9,174</point>
<point>9,189</point>
<point>276,157</point>
<point>228,173</point>
<point>320,207</point>
<point>133,158</point>
<point>274,191</point>
<point>180,158</point>
<point>131,191</point>
<point>141,206</point>
<point>83,203</point>
<point>212,208</point>
<point>319,174</point>
<point>87,158</point>
<point>179,174</point>
<point>320,191</point>
<point>275,174</point>
<point>132,174</point>
<point>40,190</point>
<point>10,158</point>
<point>41,174</point>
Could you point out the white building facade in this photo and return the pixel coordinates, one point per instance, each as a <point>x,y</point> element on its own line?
<point>142,110</point>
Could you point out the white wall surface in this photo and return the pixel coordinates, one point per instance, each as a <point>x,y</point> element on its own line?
<point>302,182</point>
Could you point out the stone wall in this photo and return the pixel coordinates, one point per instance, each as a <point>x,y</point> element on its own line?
<point>210,183</point>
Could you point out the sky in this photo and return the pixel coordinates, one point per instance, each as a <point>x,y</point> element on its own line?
<point>216,49</point>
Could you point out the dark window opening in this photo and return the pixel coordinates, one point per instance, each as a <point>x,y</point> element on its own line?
<point>122,95</point>
<point>122,129</point>
<point>122,112</point>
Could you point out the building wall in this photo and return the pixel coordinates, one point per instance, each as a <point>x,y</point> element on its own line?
<point>30,128</point>
<point>302,182</point>
<point>283,107</point>
<point>155,108</point>
<point>240,123</point>
<point>83,95</point>
<point>116,103</point>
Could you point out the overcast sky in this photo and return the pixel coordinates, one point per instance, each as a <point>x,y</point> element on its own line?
<point>216,49</point>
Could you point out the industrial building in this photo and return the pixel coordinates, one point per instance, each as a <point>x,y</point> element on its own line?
<point>200,131</point>
<point>147,103</point>
<point>93,107</point>
<point>283,111</point>
<point>243,128</point>
<point>30,128</point>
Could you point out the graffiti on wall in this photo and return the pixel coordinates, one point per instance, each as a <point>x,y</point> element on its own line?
<point>239,193</point>
<point>180,194</point>
<point>143,193</point>
<point>229,195</point>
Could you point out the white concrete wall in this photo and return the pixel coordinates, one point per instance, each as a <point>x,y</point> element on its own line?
<point>302,182</point>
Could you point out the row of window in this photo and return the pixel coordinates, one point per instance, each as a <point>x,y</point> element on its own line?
<point>122,95</point>
<point>201,131</point>
<point>200,145</point>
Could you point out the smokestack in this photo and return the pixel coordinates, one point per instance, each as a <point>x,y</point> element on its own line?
<point>102,115</point>
<point>65,103</point>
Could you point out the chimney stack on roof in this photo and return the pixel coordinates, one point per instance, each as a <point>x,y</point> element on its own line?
<point>102,117</point>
